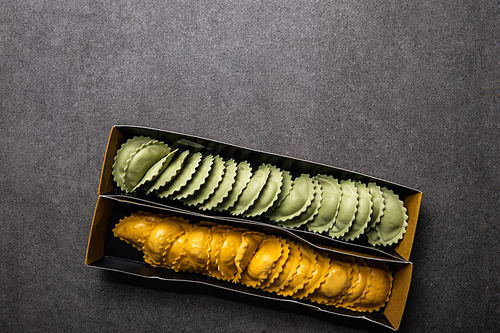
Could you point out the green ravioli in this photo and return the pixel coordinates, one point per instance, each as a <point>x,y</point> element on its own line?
<point>182,177</point>
<point>224,187</point>
<point>309,213</point>
<point>197,180</point>
<point>393,223</point>
<point>243,175</point>
<point>122,155</point>
<point>169,173</point>
<point>156,170</point>
<point>210,184</point>
<point>269,193</point>
<point>300,197</point>
<point>363,213</point>
<point>251,191</point>
<point>141,161</point>
<point>330,202</point>
<point>347,209</point>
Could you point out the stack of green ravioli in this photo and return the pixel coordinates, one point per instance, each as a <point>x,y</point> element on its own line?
<point>343,209</point>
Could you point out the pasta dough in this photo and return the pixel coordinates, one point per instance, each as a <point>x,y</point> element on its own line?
<point>271,263</point>
<point>343,209</point>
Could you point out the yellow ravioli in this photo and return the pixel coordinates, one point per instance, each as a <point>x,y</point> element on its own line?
<point>353,270</point>
<point>197,248</point>
<point>360,286</point>
<point>161,238</point>
<point>318,277</point>
<point>217,236</point>
<point>262,262</point>
<point>289,269</point>
<point>304,272</point>
<point>336,283</point>
<point>133,230</point>
<point>175,256</point>
<point>379,291</point>
<point>278,268</point>
<point>250,241</point>
<point>228,251</point>
<point>269,262</point>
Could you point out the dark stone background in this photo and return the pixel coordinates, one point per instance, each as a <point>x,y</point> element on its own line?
<point>407,91</point>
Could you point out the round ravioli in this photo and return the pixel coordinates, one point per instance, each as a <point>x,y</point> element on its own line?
<point>251,191</point>
<point>228,251</point>
<point>160,240</point>
<point>217,237</point>
<point>278,268</point>
<point>243,175</point>
<point>173,168</point>
<point>363,213</point>
<point>250,241</point>
<point>289,269</point>
<point>262,262</point>
<point>224,186</point>
<point>393,223</point>
<point>269,193</point>
<point>361,285</point>
<point>318,276</point>
<point>331,193</point>
<point>378,204</point>
<point>176,253</point>
<point>300,197</point>
<point>347,209</point>
<point>122,155</point>
<point>198,247</point>
<point>379,291</point>
<point>210,183</point>
<point>197,180</point>
<point>182,177</point>
<point>304,272</point>
<point>156,170</point>
<point>309,213</point>
<point>336,284</point>
<point>133,230</point>
<point>141,161</point>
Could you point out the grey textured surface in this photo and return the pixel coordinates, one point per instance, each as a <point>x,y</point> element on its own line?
<point>406,91</point>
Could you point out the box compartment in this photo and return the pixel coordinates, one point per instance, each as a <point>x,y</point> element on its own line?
<point>108,252</point>
<point>411,197</point>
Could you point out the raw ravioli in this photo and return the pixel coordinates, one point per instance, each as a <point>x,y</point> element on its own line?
<point>331,193</point>
<point>182,177</point>
<point>274,264</point>
<point>300,197</point>
<point>347,209</point>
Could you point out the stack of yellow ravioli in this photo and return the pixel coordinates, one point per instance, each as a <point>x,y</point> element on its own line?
<point>343,209</point>
<point>278,265</point>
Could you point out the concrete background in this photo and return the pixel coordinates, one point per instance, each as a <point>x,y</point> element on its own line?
<point>406,91</point>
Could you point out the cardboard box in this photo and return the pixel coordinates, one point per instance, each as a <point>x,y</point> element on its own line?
<point>107,252</point>
<point>412,198</point>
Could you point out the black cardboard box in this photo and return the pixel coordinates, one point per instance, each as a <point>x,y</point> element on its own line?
<point>105,251</point>
<point>412,198</point>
